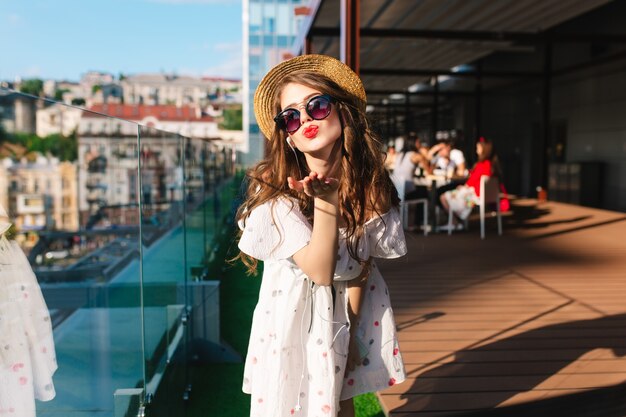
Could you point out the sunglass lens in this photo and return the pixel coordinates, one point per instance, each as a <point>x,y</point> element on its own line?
<point>319,108</point>
<point>291,120</point>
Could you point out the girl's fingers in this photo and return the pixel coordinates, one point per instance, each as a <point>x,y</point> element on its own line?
<point>306,183</point>
<point>313,184</point>
<point>290,183</point>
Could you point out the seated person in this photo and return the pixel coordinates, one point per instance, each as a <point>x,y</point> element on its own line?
<point>404,170</point>
<point>421,149</point>
<point>391,157</point>
<point>403,174</point>
<point>463,198</point>
<point>456,171</point>
<point>458,159</point>
<point>446,160</point>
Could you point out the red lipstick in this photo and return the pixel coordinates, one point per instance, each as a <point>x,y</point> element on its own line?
<point>310,132</point>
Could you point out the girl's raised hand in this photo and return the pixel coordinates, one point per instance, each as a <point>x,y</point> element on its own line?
<point>314,185</point>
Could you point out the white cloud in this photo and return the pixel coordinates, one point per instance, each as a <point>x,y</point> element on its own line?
<point>14,19</point>
<point>221,47</point>
<point>231,65</point>
<point>201,47</point>
<point>230,68</point>
<point>227,57</point>
<point>227,46</point>
<point>33,71</point>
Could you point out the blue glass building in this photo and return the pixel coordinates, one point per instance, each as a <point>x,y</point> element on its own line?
<point>269,28</point>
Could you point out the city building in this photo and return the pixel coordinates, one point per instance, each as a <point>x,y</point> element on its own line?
<point>108,153</point>
<point>269,29</point>
<point>187,120</point>
<point>68,90</point>
<point>166,89</point>
<point>40,194</point>
<point>108,173</point>
<point>25,112</point>
<point>57,119</point>
<point>7,109</point>
<point>93,88</point>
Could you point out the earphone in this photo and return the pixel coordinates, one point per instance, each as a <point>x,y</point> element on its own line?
<point>298,407</point>
<point>288,139</point>
<point>309,296</point>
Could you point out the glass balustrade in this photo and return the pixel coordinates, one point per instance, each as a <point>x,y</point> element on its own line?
<point>118,221</point>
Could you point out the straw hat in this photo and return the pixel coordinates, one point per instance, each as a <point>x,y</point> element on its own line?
<point>319,64</point>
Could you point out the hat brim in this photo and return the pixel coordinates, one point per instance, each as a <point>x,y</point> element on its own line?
<point>330,67</point>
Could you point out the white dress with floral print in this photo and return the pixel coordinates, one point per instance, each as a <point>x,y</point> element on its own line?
<point>299,341</point>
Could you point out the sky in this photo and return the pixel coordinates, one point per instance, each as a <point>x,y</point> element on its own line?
<point>63,39</point>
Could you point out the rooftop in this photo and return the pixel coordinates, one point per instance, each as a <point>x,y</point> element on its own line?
<point>140,112</point>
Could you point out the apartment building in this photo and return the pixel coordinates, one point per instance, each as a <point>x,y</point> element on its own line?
<point>40,194</point>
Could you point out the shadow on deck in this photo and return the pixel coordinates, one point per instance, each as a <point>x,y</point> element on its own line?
<point>532,323</point>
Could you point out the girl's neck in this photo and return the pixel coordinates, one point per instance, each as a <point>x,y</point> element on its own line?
<point>321,166</point>
<point>328,164</point>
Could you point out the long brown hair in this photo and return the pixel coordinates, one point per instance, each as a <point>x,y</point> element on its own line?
<point>489,153</point>
<point>365,189</point>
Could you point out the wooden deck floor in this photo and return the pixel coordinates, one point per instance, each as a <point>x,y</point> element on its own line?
<point>535,316</point>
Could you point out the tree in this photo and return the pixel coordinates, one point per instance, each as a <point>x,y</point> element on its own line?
<point>68,148</point>
<point>232,119</point>
<point>58,94</point>
<point>64,148</point>
<point>32,86</point>
<point>78,101</point>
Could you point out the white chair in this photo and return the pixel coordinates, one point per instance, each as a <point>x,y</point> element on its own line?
<point>406,204</point>
<point>489,194</point>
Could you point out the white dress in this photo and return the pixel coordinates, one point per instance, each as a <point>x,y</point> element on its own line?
<point>299,341</point>
<point>462,200</point>
<point>27,355</point>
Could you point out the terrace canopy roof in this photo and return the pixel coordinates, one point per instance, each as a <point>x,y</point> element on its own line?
<point>406,42</point>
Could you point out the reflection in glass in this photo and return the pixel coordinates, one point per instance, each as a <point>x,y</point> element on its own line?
<point>115,220</point>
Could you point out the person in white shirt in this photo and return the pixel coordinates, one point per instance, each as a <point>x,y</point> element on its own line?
<point>458,159</point>
<point>446,160</point>
<point>405,163</point>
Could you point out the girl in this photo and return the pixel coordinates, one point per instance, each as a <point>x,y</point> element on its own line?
<point>318,209</point>
<point>463,199</point>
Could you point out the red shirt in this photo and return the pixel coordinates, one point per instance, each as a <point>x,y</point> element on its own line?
<point>481,168</point>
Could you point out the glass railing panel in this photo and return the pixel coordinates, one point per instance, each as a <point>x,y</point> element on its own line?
<point>163,204</point>
<point>69,184</point>
<point>202,190</point>
<point>197,189</point>
<point>220,165</point>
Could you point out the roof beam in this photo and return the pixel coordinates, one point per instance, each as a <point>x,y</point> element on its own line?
<point>475,35</point>
<point>425,93</point>
<point>401,105</point>
<point>435,72</point>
